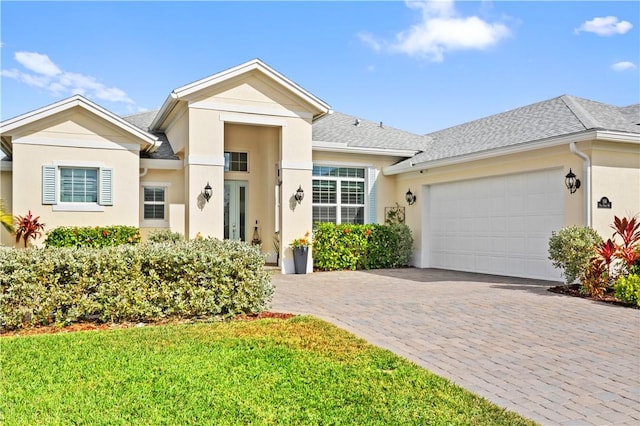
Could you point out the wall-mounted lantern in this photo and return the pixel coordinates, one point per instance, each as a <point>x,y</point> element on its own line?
<point>410,197</point>
<point>208,192</point>
<point>299,195</point>
<point>571,182</point>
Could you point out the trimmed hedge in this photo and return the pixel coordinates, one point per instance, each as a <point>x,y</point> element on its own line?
<point>371,246</point>
<point>131,282</point>
<point>96,236</point>
<point>165,236</point>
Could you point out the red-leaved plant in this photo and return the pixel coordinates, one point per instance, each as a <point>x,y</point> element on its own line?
<point>28,227</point>
<point>603,270</point>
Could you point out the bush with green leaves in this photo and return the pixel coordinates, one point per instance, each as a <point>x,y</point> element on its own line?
<point>142,282</point>
<point>571,249</point>
<point>92,236</point>
<point>371,246</point>
<point>627,289</point>
<point>165,236</point>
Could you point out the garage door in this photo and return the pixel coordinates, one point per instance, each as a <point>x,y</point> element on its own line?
<point>497,225</point>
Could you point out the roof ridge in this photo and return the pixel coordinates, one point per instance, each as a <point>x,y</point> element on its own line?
<point>587,120</point>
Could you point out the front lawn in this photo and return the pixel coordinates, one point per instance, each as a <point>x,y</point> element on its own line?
<point>296,371</point>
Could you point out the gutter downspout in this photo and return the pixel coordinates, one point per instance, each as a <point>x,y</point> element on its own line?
<point>587,180</point>
<point>144,171</point>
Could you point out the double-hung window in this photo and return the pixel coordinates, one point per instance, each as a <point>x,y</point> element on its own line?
<point>154,203</point>
<point>338,194</point>
<point>77,187</point>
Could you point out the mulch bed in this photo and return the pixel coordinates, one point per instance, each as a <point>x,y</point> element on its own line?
<point>574,291</point>
<point>92,326</point>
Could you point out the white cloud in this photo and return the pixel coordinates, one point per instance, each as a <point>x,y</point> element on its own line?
<point>439,31</point>
<point>623,66</point>
<point>605,26</point>
<point>45,74</point>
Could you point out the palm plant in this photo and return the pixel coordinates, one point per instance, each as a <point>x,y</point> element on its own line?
<point>5,218</point>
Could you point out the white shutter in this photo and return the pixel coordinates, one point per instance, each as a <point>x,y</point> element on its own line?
<point>49,175</point>
<point>372,206</point>
<point>106,187</point>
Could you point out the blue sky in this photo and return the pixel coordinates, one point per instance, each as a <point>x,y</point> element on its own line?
<point>418,66</point>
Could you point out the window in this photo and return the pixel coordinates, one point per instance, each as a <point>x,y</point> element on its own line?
<point>338,194</point>
<point>83,187</point>
<point>236,162</point>
<point>153,203</point>
<point>78,185</point>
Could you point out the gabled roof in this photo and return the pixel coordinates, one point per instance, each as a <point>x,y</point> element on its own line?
<point>341,132</point>
<point>526,127</point>
<point>165,150</point>
<point>221,77</point>
<point>11,124</point>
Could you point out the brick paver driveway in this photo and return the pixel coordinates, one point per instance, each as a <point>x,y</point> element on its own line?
<point>554,359</point>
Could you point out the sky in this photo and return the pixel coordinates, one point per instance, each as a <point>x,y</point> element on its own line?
<point>418,66</point>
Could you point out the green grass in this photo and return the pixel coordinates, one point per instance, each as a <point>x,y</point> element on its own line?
<point>298,371</point>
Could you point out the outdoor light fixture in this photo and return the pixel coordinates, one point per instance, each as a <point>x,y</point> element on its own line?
<point>410,197</point>
<point>572,182</point>
<point>299,196</point>
<point>208,192</point>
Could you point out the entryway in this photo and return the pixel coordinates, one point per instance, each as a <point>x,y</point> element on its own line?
<point>235,210</point>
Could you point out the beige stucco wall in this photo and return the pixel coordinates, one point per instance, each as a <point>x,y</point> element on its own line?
<point>616,175</point>
<point>76,138</point>
<point>254,114</point>
<point>173,181</point>
<point>6,183</point>
<point>387,190</point>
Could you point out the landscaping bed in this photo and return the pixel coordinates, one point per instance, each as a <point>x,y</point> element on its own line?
<point>574,290</point>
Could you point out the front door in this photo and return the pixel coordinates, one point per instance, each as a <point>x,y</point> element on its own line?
<point>235,210</point>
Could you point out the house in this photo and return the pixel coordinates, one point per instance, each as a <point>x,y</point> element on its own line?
<point>248,149</point>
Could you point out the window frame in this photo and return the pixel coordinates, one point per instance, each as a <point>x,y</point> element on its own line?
<point>338,205</point>
<point>155,223</point>
<point>80,206</point>
<point>230,153</point>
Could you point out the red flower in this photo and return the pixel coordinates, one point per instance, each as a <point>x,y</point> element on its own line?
<point>367,232</point>
<point>346,230</point>
<point>105,233</point>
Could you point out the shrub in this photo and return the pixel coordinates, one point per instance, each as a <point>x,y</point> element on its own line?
<point>28,228</point>
<point>131,282</point>
<point>571,249</point>
<point>98,236</point>
<point>628,289</point>
<point>347,246</point>
<point>165,236</point>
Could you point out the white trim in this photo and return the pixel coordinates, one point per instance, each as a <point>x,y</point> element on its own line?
<point>343,164</point>
<point>204,160</point>
<point>253,65</point>
<point>249,109</point>
<point>78,143</point>
<point>344,148</point>
<point>162,184</point>
<point>252,119</point>
<point>6,166</point>
<point>296,165</point>
<point>77,101</point>
<point>77,207</point>
<point>151,163</point>
<point>79,164</point>
<point>590,135</point>
<point>154,223</point>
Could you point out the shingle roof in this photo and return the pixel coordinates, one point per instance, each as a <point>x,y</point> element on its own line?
<point>342,128</point>
<point>559,116</point>
<point>143,120</point>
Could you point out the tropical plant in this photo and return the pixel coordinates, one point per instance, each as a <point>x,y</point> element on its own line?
<point>571,249</point>
<point>629,231</point>
<point>5,218</point>
<point>628,289</point>
<point>28,227</point>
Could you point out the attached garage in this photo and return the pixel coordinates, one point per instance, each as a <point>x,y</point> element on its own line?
<point>496,225</point>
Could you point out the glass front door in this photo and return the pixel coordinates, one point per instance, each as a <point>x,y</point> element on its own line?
<point>235,210</point>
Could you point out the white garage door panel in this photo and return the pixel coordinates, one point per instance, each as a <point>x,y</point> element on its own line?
<point>498,225</point>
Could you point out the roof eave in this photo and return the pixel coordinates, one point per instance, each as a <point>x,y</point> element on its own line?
<point>589,135</point>
<point>74,101</point>
<point>344,148</point>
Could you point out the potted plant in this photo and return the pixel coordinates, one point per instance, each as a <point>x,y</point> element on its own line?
<point>300,247</point>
